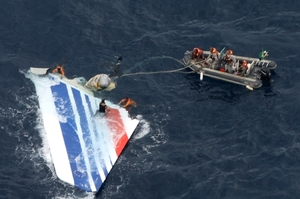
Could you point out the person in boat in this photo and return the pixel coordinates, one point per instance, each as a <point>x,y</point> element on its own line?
<point>243,68</point>
<point>59,69</point>
<point>103,108</point>
<point>197,54</point>
<point>229,62</point>
<point>128,103</point>
<point>213,57</point>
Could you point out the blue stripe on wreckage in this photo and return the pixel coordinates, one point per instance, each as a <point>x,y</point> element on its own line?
<point>86,133</point>
<point>69,132</point>
<point>95,131</point>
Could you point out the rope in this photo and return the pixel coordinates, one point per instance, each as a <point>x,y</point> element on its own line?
<point>156,72</point>
<point>167,71</point>
<point>151,59</point>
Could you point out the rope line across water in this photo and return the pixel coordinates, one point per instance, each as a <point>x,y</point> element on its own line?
<point>157,72</point>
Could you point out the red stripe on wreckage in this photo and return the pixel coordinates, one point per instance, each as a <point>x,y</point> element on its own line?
<point>116,125</point>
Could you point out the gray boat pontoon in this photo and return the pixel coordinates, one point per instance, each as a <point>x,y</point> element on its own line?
<point>258,69</point>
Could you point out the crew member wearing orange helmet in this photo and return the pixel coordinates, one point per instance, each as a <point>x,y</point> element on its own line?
<point>197,54</point>
<point>229,62</point>
<point>214,54</point>
<point>228,56</point>
<point>243,68</point>
<point>213,57</point>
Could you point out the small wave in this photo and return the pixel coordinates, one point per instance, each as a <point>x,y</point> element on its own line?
<point>144,128</point>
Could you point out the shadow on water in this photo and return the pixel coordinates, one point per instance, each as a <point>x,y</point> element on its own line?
<point>269,85</point>
<point>211,89</point>
<point>219,90</point>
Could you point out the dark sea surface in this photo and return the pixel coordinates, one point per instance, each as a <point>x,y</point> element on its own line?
<point>198,139</point>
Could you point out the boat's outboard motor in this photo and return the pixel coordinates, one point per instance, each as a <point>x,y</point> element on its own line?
<point>265,73</point>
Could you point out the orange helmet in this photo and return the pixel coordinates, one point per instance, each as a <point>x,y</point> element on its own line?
<point>213,50</point>
<point>198,51</point>
<point>229,52</point>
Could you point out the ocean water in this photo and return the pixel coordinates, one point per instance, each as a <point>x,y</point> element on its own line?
<point>197,139</point>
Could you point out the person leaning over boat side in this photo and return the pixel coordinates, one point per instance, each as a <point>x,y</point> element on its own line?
<point>214,54</point>
<point>103,108</point>
<point>213,57</point>
<point>59,69</point>
<point>197,54</point>
<point>243,69</point>
<point>229,62</point>
<point>128,103</point>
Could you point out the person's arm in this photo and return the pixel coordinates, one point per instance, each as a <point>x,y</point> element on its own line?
<point>122,101</point>
<point>62,71</point>
<point>133,103</point>
<point>129,102</point>
<point>54,70</point>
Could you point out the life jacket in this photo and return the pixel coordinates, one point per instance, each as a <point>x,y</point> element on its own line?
<point>59,69</point>
<point>129,102</point>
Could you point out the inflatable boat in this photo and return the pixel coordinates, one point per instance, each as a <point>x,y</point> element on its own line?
<point>84,144</point>
<point>258,69</point>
